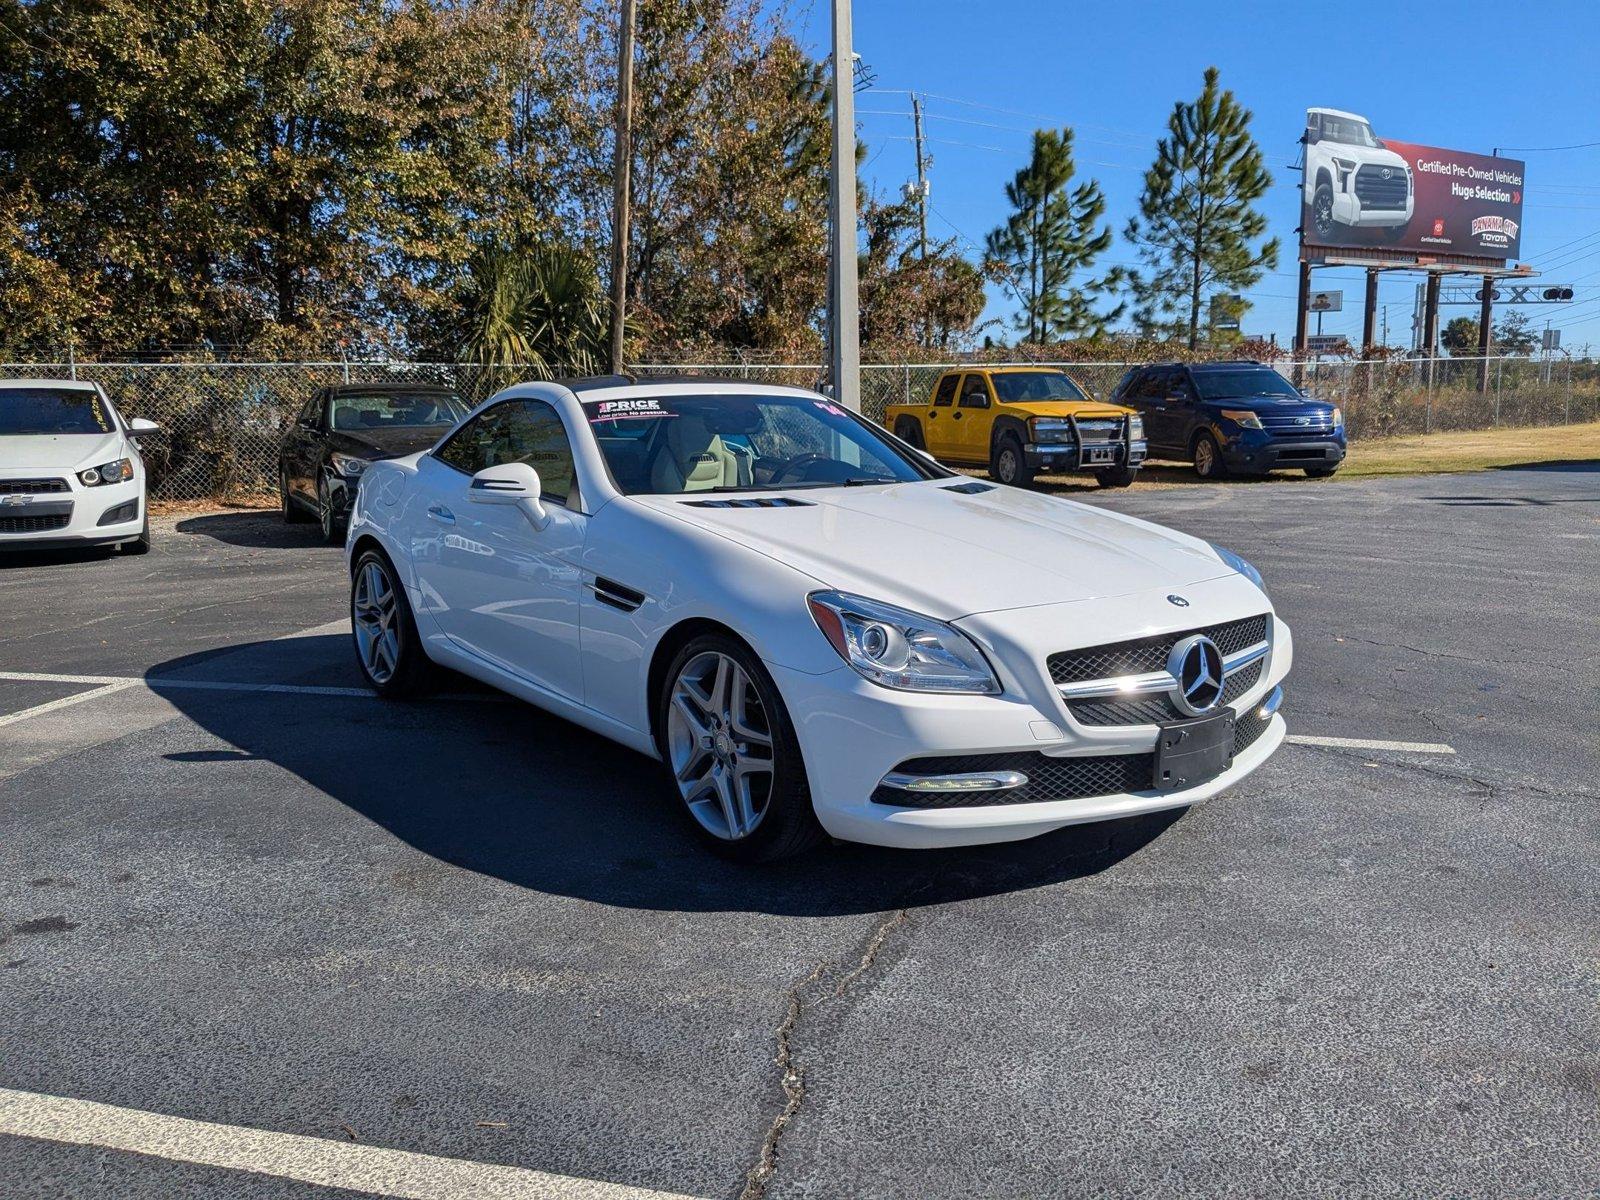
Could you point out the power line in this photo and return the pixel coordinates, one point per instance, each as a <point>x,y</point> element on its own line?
<point>1543,149</point>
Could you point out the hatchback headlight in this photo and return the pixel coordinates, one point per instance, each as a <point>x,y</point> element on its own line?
<point>1050,429</point>
<point>1242,417</point>
<point>347,464</point>
<point>1238,564</point>
<point>112,472</point>
<point>896,648</point>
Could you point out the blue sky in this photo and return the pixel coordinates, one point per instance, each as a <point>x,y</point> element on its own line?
<point>1468,74</point>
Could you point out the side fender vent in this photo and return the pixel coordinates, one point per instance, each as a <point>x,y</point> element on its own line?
<point>617,595</point>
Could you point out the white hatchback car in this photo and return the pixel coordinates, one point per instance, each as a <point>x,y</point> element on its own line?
<point>70,471</point>
<point>815,626</point>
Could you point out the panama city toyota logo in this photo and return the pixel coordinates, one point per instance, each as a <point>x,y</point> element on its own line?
<point>1196,664</point>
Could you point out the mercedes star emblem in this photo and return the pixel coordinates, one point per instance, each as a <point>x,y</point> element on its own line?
<point>1196,664</point>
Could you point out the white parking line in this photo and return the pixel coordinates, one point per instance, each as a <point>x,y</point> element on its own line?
<point>322,1161</point>
<point>107,687</point>
<point>158,683</point>
<point>1371,744</point>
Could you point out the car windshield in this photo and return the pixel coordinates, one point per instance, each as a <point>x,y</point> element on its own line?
<point>354,411</point>
<point>676,444</point>
<point>1017,386</point>
<point>1348,133</point>
<point>53,410</point>
<point>1230,385</point>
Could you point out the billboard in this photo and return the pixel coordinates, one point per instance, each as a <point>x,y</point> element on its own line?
<point>1362,190</point>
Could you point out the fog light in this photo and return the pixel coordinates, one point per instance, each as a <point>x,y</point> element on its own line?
<point>121,513</point>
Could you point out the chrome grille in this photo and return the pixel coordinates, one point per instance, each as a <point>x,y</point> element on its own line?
<point>1153,710</point>
<point>1100,431</point>
<point>1315,426</point>
<point>1374,191</point>
<point>32,487</point>
<point>1149,654</point>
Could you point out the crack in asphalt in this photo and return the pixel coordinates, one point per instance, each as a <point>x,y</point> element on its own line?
<point>792,1073</point>
<point>1491,788</point>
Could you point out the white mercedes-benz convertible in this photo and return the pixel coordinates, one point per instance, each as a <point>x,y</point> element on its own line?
<point>812,624</point>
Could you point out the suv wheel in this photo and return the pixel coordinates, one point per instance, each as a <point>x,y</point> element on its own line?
<point>1007,463</point>
<point>909,431</point>
<point>1320,472</point>
<point>1208,462</point>
<point>1117,477</point>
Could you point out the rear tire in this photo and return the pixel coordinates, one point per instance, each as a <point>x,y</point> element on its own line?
<point>909,431</point>
<point>1008,464</point>
<point>731,753</point>
<point>1208,462</point>
<point>388,650</point>
<point>1117,477</point>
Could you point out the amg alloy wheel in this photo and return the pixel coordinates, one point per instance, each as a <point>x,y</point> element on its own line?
<point>387,646</point>
<point>728,743</point>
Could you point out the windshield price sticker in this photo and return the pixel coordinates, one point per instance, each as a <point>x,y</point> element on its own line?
<point>624,410</point>
<point>829,407</point>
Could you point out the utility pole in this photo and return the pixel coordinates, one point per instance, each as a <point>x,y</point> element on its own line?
<point>922,179</point>
<point>621,168</point>
<point>845,319</point>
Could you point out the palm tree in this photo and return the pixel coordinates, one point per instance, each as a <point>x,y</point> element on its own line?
<point>539,307</point>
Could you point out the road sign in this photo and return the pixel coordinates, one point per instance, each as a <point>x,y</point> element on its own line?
<point>1328,343</point>
<point>1321,302</point>
<point>1552,339</point>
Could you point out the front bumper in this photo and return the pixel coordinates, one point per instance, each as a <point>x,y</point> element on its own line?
<point>853,734</point>
<point>1055,458</point>
<point>81,516</point>
<point>1256,452</point>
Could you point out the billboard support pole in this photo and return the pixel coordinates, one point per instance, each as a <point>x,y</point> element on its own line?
<point>1300,321</point>
<point>1369,316</point>
<point>1485,332</point>
<point>1430,320</point>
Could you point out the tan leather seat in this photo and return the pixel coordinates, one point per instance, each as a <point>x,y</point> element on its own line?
<point>693,459</point>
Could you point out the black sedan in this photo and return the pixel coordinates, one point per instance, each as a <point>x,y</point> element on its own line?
<point>343,428</point>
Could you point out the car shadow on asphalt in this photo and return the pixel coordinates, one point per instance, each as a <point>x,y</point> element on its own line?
<point>254,529</point>
<point>497,787</point>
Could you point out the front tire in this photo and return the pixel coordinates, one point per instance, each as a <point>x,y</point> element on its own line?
<point>1007,463</point>
<point>1208,462</point>
<point>732,754</point>
<point>293,514</point>
<point>1322,210</point>
<point>388,650</point>
<point>1117,477</point>
<point>140,544</point>
<point>331,527</point>
<point>1320,472</point>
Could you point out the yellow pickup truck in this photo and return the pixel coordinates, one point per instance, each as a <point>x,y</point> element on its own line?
<point>1020,421</point>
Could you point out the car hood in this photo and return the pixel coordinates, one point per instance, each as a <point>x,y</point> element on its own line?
<point>58,451</point>
<point>1283,405</point>
<point>1085,409</point>
<point>385,443</point>
<point>949,554</point>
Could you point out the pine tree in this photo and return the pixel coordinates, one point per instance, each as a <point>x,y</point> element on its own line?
<point>1197,227</point>
<point>1049,239</point>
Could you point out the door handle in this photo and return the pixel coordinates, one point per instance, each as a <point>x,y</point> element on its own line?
<point>955,416</point>
<point>933,416</point>
<point>441,514</point>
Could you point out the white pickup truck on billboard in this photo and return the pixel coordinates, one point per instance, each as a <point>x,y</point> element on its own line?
<point>1351,178</point>
<point>1362,190</point>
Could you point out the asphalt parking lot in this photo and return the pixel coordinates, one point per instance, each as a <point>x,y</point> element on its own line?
<point>234,889</point>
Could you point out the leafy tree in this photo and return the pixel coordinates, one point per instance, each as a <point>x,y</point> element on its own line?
<point>1197,226</point>
<point>1049,238</point>
<point>1512,335</point>
<point>909,300</point>
<point>1460,336</point>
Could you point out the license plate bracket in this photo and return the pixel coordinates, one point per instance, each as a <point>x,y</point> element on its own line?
<point>1099,456</point>
<point>1188,753</point>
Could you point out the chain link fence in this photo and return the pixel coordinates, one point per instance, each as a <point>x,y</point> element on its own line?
<point>222,423</point>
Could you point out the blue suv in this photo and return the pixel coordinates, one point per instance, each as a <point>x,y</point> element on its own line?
<point>1233,417</point>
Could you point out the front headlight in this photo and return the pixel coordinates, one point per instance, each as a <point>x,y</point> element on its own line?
<point>112,472</point>
<point>1135,427</point>
<point>1242,417</point>
<point>1338,417</point>
<point>896,648</point>
<point>1050,429</point>
<point>347,464</point>
<point>1238,564</point>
